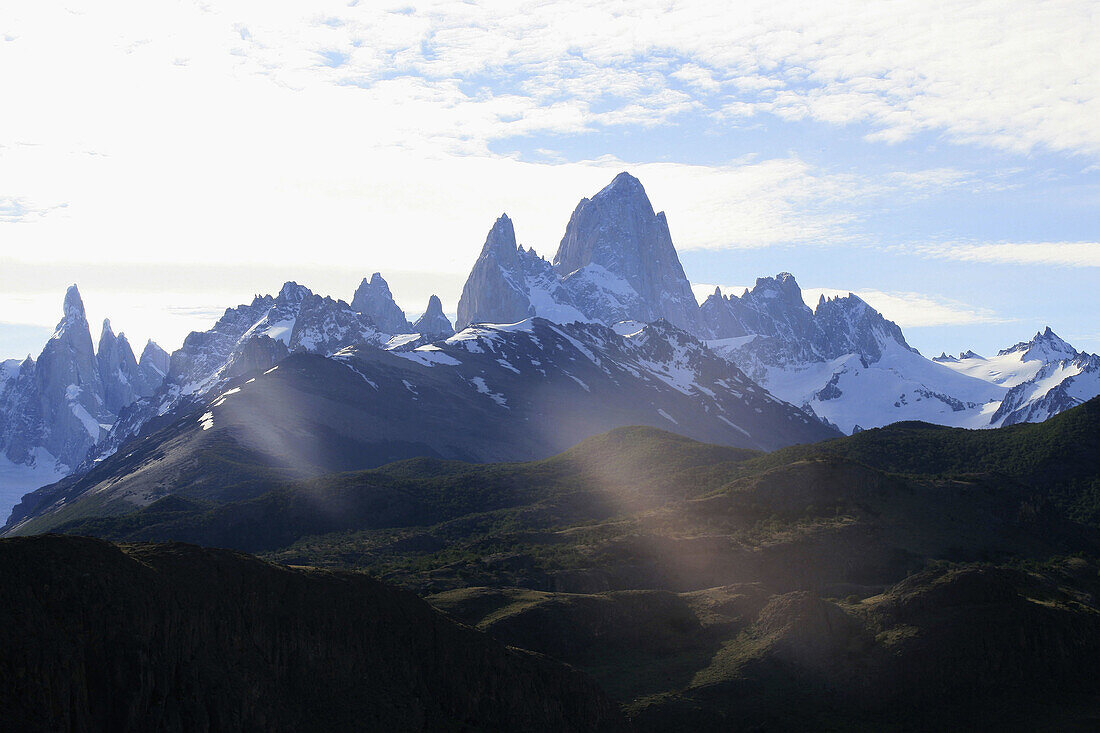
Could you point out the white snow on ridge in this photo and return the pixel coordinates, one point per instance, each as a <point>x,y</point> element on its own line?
<point>1084,387</point>
<point>666,416</point>
<point>736,342</point>
<point>527,325</point>
<point>428,356</point>
<point>17,479</point>
<point>483,388</point>
<point>282,330</point>
<point>400,340</point>
<point>627,328</point>
<point>222,397</point>
<point>91,425</point>
<point>1007,370</point>
<point>900,386</point>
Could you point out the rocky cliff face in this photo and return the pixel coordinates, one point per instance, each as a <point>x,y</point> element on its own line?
<point>178,638</point>
<point>374,300</point>
<point>617,232</point>
<point>496,290</point>
<point>69,387</point>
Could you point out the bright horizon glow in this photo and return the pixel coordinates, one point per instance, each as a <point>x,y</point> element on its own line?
<point>942,162</point>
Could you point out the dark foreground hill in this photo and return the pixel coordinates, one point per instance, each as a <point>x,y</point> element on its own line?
<point>964,647</point>
<point>99,637</point>
<point>640,508</point>
<point>908,578</point>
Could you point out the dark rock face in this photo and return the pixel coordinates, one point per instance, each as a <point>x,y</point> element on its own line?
<point>849,326</point>
<point>20,412</point>
<point>69,387</point>
<point>374,300</point>
<point>178,638</point>
<point>434,324</point>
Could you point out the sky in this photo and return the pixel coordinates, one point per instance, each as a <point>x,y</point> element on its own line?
<point>940,159</point>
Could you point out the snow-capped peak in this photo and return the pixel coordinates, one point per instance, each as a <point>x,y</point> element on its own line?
<point>1045,346</point>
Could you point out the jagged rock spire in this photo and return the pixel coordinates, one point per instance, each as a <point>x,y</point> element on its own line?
<point>154,358</point>
<point>434,324</point>
<point>501,240</point>
<point>74,306</point>
<point>118,371</point>
<point>69,387</point>
<point>495,290</point>
<point>374,300</point>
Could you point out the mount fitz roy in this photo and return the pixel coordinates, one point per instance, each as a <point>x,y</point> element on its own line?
<point>614,284</point>
<point>615,263</point>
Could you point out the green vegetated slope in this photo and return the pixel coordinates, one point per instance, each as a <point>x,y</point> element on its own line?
<point>179,638</point>
<point>912,576</point>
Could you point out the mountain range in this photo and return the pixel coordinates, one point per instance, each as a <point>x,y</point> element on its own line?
<point>614,283</point>
<point>841,361</point>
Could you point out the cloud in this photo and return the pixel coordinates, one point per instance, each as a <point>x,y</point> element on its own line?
<point>1012,75</point>
<point>913,310</point>
<point>1062,254</point>
<point>248,133</point>
<point>17,210</point>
